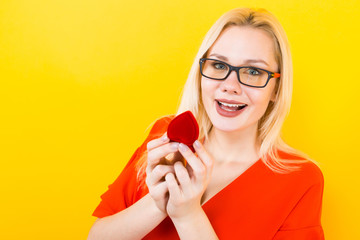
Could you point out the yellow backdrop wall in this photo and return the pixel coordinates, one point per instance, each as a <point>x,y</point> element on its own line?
<point>82,80</point>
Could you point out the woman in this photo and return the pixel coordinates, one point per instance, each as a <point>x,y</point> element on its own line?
<point>243,182</point>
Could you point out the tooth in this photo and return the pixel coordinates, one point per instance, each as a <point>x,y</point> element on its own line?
<point>232,105</point>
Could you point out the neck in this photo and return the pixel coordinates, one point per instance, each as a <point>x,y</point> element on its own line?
<point>240,146</point>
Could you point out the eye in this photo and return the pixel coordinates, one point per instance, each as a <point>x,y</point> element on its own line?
<point>219,65</point>
<point>253,71</point>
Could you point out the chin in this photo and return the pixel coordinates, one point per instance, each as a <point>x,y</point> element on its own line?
<point>229,129</point>
<point>236,124</point>
<point>227,125</point>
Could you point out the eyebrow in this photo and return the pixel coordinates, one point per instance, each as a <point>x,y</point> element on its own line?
<point>221,57</point>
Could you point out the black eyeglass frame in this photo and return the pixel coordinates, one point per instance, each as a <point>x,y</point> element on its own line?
<point>237,70</point>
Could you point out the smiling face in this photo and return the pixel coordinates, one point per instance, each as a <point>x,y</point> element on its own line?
<point>239,46</point>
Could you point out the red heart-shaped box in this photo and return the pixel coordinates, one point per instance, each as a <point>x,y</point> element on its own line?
<point>184,129</point>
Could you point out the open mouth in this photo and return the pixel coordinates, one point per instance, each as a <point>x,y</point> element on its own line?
<point>230,107</point>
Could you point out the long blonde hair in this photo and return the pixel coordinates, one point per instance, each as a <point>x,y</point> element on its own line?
<point>270,124</point>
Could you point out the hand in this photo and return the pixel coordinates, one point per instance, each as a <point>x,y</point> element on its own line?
<point>190,183</point>
<point>156,170</point>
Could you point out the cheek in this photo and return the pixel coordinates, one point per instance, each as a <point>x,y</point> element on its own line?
<point>208,88</point>
<point>260,98</point>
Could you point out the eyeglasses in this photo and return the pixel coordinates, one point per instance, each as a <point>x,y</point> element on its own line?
<point>249,76</point>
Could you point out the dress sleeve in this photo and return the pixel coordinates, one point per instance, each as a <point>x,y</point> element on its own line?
<point>304,221</point>
<point>119,193</point>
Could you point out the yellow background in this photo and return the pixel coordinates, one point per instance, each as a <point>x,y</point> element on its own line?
<point>82,80</point>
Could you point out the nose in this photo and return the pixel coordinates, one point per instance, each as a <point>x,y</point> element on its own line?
<point>231,84</point>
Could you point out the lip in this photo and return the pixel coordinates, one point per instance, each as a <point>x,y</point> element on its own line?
<point>229,101</point>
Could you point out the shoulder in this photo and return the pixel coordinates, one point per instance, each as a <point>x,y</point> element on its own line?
<point>162,123</point>
<point>159,126</point>
<point>308,171</point>
<point>312,172</point>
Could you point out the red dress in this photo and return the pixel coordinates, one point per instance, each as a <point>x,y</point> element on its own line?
<point>258,204</point>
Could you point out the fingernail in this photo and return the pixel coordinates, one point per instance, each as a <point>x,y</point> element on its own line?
<point>183,147</point>
<point>197,144</point>
<point>174,146</point>
<point>164,138</point>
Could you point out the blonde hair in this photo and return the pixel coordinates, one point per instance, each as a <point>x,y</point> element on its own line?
<point>270,124</point>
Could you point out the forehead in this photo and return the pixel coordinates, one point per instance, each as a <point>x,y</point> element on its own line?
<point>239,44</point>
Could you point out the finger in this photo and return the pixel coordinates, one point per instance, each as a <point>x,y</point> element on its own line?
<point>155,155</point>
<point>160,193</point>
<point>158,173</point>
<point>195,163</point>
<point>173,186</point>
<point>160,190</point>
<point>183,177</point>
<point>157,142</point>
<point>190,171</point>
<point>206,159</point>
